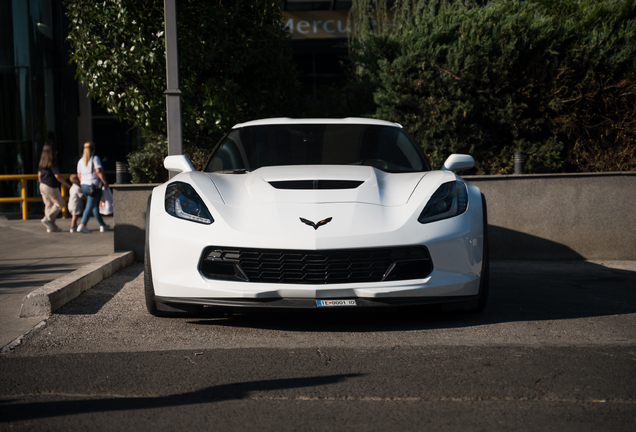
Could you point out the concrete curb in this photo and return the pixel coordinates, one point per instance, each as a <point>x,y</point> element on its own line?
<point>52,296</point>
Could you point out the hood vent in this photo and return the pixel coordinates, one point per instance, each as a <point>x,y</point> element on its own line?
<point>316,184</point>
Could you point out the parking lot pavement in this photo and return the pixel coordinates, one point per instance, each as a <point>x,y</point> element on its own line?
<point>30,258</point>
<point>554,350</point>
<point>571,303</point>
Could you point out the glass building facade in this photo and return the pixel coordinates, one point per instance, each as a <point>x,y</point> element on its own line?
<point>318,55</point>
<point>40,100</point>
<point>38,93</point>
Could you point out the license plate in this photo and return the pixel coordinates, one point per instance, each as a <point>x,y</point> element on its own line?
<point>331,303</point>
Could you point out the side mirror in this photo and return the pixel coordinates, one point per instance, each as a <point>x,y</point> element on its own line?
<point>458,162</point>
<point>178,163</point>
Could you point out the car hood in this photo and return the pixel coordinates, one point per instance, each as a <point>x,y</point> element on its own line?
<point>316,184</point>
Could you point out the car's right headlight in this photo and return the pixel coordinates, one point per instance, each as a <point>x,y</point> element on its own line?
<point>449,200</point>
<point>183,202</point>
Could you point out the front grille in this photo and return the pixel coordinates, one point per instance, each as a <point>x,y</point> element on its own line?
<point>316,267</point>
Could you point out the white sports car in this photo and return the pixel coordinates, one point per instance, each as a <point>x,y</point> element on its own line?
<point>316,213</point>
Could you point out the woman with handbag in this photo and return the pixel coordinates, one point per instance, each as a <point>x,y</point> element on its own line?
<point>91,175</point>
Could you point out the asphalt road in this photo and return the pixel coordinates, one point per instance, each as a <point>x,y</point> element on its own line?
<point>554,350</point>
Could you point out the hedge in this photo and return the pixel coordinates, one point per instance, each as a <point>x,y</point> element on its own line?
<point>552,79</point>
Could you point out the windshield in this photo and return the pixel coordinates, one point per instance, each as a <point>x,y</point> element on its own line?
<point>385,147</point>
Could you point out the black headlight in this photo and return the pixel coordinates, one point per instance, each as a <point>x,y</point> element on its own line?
<point>449,200</point>
<point>183,202</point>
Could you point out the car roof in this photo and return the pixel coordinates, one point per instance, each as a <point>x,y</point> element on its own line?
<point>291,121</point>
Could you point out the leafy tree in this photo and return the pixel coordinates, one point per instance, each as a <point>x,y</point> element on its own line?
<point>473,80</point>
<point>596,84</point>
<point>553,79</point>
<point>235,64</point>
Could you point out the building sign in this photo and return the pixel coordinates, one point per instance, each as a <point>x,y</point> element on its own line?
<point>317,24</point>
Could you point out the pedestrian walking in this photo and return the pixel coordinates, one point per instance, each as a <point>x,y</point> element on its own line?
<point>92,178</point>
<point>75,203</point>
<point>50,179</point>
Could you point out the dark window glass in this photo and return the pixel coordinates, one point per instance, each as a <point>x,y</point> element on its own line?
<point>36,83</point>
<point>227,157</point>
<point>47,34</point>
<point>15,158</point>
<point>304,5</point>
<point>15,104</point>
<point>343,5</point>
<point>114,140</point>
<point>46,92</point>
<point>14,36</point>
<point>387,148</point>
<point>301,5</point>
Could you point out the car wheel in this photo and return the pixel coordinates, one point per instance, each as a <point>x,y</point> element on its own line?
<point>484,283</point>
<point>479,304</point>
<point>149,289</point>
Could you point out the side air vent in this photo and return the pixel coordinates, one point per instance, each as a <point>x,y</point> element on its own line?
<point>316,184</point>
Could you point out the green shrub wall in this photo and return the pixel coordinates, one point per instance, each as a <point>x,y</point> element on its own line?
<point>552,79</point>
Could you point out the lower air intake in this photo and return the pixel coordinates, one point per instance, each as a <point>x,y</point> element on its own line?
<point>316,267</point>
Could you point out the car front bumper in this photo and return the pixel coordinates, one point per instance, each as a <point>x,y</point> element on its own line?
<point>455,246</point>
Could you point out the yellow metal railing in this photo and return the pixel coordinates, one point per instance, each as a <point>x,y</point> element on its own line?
<point>24,200</point>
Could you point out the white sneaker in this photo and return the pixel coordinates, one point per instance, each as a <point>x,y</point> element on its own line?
<point>104,228</point>
<point>47,224</point>
<point>73,229</point>
<point>83,229</point>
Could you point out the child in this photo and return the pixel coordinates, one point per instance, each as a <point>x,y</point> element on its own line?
<point>75,203</point>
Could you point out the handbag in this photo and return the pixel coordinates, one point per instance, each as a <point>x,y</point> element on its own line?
<point>94,191</point>
<point>106,202</point>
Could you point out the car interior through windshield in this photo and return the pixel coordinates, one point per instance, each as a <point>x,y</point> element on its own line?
<point>387,148</point>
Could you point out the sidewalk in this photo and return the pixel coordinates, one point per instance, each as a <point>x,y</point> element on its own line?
<point>30,258</point>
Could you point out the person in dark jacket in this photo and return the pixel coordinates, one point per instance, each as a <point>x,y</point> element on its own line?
<point>50,178</point>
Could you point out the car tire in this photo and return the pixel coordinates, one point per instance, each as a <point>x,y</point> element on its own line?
<point>149,289</point>
<point>484,281</point>
<point>477,304</point>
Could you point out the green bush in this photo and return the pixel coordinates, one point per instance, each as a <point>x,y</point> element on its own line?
<point>596,85</point>
<point>507,76</point>
<point>476,81</point>
<point>146,165</point>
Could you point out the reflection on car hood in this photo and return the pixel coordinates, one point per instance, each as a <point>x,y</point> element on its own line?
<point>316,184</point>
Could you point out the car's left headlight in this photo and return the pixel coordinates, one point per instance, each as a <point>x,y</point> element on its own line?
<point>449,200</point>
<point>183,202</point>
